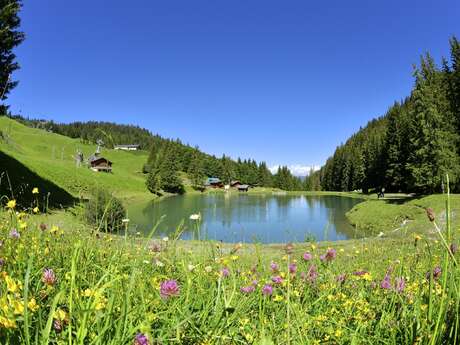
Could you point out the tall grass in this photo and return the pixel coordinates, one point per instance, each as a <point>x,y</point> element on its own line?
<point>107,289</point>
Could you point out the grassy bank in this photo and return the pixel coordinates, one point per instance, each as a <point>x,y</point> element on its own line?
<point>402,217</point>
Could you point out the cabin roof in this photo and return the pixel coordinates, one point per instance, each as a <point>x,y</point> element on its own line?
<point>213,180</point>
<point>96,159</point>
<point>128,145</point>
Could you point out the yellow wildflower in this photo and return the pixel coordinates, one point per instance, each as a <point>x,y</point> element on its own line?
<point>366,276</point>
<point>87,293</point>
<point>7,323</point>
<point>249,337</point>
<point>35,210</point>
<point>18,307</point>
<point>11,284</point>
<point>32,305</point>
<point>101,304</point>
<point>60,314</point>
<point>35,190</point>
<point>11,204</point>
<point>278,298</point>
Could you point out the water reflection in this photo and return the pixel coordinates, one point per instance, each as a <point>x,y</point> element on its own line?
<point>245,217</point>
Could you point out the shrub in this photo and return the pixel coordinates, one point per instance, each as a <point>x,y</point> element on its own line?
<point>104,211</point>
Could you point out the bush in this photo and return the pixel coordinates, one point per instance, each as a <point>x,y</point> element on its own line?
<point>105,212</point>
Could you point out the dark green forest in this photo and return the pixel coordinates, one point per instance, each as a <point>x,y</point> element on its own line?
<point>414,145</point>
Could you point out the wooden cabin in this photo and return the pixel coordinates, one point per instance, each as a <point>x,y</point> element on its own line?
<point>98,163</point>
<point>243,188</point>
<point>235,184</point>
<point>214,182</point>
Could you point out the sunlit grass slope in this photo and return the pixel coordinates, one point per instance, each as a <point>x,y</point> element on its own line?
<point>399,218</point>
<point>51,156</point>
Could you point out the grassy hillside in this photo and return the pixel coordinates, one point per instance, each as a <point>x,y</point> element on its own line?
<point>401,217</point>
<point>51,156</point>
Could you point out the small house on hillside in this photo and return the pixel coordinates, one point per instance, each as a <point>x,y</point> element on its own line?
<point>214,182</point>
<point>133,147</point>
<point>99,163</point>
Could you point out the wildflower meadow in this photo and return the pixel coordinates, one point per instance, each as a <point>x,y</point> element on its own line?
<point>72,285</point>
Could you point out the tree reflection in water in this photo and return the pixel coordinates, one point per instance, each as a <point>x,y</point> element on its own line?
<point>248,217</point>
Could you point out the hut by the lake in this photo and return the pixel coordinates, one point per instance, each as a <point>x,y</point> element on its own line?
<point>235,184</point>
<point>214,182</point>
<point>243,188</point>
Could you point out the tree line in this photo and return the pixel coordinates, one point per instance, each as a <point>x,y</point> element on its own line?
<point>414,145</point>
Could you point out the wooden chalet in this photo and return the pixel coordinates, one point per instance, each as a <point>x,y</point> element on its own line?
<point>214,182</point>
<point>99,163</point>
<point>235,184</point>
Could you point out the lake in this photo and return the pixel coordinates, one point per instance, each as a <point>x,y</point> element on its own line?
<point>263,218</point>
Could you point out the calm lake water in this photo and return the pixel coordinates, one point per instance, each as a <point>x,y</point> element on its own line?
<point>248,218</point>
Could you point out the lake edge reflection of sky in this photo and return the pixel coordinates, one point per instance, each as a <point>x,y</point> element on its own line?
<point>242,217</point>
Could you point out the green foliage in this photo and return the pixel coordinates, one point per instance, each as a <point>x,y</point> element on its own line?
<point>200,165</point>
<point>284,180</point>
<point>104,211</point>
<point>169,172</point>
<point>413,146</point>
<point>196,171</point>
<point>164,173</point>
<point>10,37</point>
<point>153,181</point>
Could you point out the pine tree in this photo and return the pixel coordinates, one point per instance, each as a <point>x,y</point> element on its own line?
<point>454,82</point>
<point>228,173</point>
<point>264,175</point>
<point>196,170</point>
<point>154,182</point>
<point>396,153</point>
<point>10,37</point>
<point>169,167</point>
<point>433,138</point>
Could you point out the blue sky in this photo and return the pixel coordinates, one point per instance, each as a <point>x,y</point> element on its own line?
<point>279,81</point>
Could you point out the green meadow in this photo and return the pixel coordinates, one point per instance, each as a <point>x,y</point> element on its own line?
<point>62,282</point>
<point>52,157</point>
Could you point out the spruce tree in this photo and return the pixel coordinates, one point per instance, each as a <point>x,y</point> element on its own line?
<point>433,138</point>
<point>169,169</point>
<point>196,171</point>
<point>10,37</point>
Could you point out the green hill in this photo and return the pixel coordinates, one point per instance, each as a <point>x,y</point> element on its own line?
<point>50,157</point>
